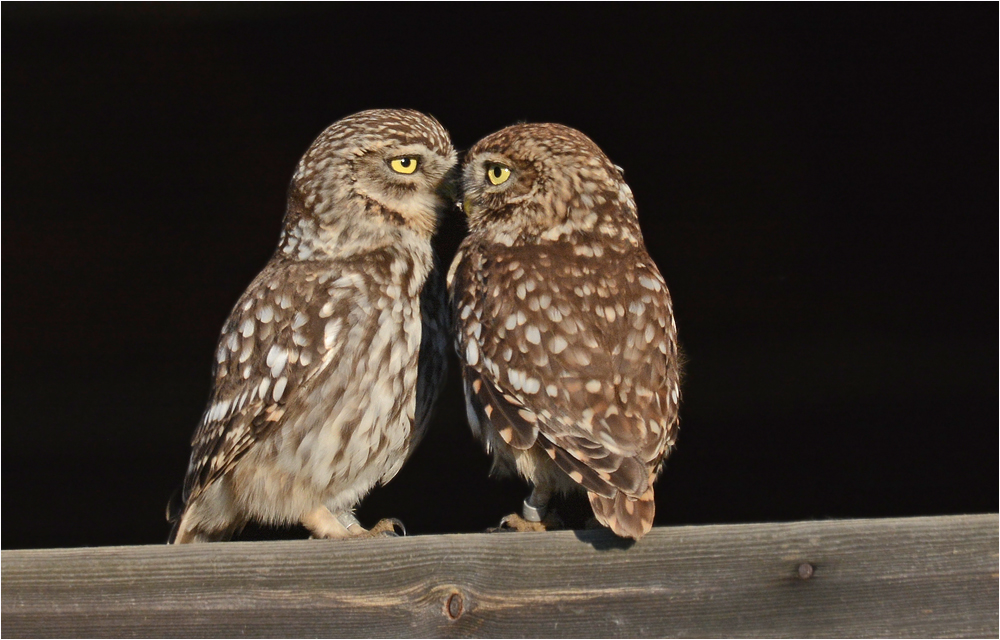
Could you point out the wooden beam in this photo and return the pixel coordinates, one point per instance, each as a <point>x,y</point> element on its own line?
<point>842,578</point>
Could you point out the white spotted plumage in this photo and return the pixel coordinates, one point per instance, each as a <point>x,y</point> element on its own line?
<point>564,324</point>
<point>330,362</point>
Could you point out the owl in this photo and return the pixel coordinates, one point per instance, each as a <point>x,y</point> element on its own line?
<point>329,364</point>
<point>564,326</point>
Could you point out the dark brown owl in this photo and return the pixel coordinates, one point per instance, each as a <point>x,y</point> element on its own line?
<point>564,325</point>
<point>329,364</point>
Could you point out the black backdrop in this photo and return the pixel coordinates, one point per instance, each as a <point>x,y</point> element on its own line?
<point>817,183</point>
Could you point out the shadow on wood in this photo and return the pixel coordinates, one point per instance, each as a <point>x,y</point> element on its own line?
<point>892,577</point>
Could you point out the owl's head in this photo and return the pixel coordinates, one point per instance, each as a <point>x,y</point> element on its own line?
<point>382,168</point>
<point>544,181</point>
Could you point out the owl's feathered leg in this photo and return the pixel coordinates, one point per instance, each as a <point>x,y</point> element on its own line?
<point>536,505</point>
<point>324,524</point>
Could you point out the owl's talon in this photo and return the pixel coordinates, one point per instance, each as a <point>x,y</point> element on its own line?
<point>388,528</point>
<point>516,523</point>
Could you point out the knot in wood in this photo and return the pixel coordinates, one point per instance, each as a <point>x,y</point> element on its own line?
<point>454,606</point>
<point>806,570</point>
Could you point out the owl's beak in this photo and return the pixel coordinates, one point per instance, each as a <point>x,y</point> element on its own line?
<point>467,205</point>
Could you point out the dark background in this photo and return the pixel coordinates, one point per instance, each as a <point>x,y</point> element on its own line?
<point>817,183</point>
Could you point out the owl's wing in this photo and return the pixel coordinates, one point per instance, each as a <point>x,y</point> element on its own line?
<point>282,335</point>
<point>572,348</point>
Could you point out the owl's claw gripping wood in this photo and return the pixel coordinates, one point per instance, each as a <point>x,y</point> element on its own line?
<point>518,523</point>
<point>330,362</point>
<point>325,525</point>
<point>389,528</point>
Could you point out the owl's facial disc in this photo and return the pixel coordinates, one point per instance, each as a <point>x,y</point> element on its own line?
<point>487,179</point>
<point>407,179</point>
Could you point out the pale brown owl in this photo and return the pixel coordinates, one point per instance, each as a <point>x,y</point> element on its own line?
<point>564,325</point>
<point>330,362</point>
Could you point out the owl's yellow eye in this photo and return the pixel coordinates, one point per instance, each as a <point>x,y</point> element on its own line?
<point>405,165</point>
<point>497,174</point>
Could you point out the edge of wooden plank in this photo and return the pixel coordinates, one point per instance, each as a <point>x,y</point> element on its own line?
<point>895,577</point>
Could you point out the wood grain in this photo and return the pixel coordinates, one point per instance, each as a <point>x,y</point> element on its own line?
<point>848,578</point>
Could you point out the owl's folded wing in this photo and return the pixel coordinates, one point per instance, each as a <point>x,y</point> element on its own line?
<point>574,357</point>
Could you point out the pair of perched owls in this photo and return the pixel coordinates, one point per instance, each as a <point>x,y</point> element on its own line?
<point>331,361</point>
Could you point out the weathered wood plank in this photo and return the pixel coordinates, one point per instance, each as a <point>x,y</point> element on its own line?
<point>893,577</point>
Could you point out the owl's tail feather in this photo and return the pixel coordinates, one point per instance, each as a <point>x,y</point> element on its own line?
<point>185,528</point>
<point>184,531</point>
<point>628,517</point>
<point>185,536</point>
<point>175,508</point>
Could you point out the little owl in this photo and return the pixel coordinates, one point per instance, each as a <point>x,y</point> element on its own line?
<point>564,326</point>
<point>329,364</point>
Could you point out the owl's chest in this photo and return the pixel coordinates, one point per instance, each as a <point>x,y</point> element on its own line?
<point>346,417</point>
<point>360,406</point>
